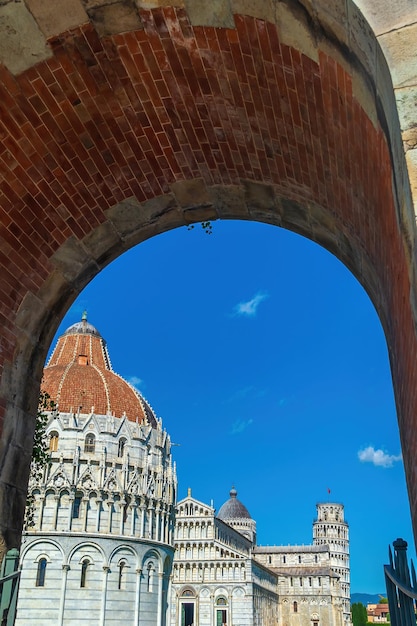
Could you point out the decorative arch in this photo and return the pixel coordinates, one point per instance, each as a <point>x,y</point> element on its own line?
<point>29,547</point>
<point>83,550</point>
<point>187,592</point>
<point>43,556</point>
<point>120,553</point>
<point>87,557</point>
<point>154,556</point>
<point>329,164</point>
<point>220,591</point>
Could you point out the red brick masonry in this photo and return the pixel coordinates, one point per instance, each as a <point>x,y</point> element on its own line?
<point>273,134</point>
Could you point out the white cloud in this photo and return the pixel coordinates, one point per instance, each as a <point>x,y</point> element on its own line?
<point>240,425</point>
<point>250,307</point>
<point>135,381</point>
<point>378,457</point>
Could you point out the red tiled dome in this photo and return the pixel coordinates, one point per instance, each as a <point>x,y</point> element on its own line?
<point>79,378</point>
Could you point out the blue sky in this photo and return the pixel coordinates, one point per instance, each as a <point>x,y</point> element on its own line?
<point>268,364</point>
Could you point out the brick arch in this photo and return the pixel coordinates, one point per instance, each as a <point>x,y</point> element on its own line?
<point>113,137</point>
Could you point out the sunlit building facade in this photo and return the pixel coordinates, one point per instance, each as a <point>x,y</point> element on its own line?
<point>101,546</point>
<point>107,542</point>
<point>220,573</point>
<point>215,579</point>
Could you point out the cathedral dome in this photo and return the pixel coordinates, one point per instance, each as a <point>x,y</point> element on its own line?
<point>233,509</point>
<point>79,378</point>
<point>82,328</point>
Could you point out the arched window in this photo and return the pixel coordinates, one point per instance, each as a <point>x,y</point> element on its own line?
<point>40,574</point>
<point>121,449</point>
<point>53,441</point>
<point>90,443</point>
<point>150,572</point>
<point>125,511</point>
<point>187,608</point>
<point>84,568</point>
<point>120,584</point>
<point>76,507</point>
<point>295,607</point>
<point>221,611</point>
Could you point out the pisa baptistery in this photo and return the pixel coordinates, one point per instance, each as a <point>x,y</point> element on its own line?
<point>99,549</point>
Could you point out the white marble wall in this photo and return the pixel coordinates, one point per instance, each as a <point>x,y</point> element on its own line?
<point>111,506</point>
<point>213,570</point>
<point>63,601</point>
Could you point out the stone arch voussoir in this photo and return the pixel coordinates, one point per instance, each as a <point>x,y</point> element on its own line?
<point>124,120</point>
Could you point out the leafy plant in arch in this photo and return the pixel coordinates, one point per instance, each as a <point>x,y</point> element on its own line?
<point>40,454</point>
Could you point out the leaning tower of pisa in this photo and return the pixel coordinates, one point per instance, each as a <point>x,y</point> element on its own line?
<point>330,528</point>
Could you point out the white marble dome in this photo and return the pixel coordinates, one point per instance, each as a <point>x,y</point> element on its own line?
<point>101,541</point>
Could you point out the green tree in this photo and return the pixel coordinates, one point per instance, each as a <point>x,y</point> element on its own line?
<point>359,614</point>
<point>206,226</point>
<point>40,454</point>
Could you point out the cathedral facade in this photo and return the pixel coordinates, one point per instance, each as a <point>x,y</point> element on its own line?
<point>222,577</point>
<point>108,542</point>
<point>215,579</point>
